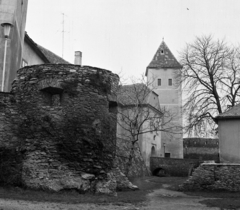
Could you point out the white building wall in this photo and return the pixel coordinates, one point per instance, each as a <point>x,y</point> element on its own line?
<point>229,140</point>
<point>170,97</point>
<point>30,56</point>
<point>151,140</point>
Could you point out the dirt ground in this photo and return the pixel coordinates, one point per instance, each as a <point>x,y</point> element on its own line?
<point>156,193</point>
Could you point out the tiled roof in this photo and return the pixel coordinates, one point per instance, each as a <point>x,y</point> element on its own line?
<point>46,55</point>
<point>232,113</point>
<point>52,57</point>
<point>131,94</point>
<point>35,48</point>
<point>163,58</point>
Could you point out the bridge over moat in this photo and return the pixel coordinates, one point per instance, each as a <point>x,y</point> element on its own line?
<point>171,166</point>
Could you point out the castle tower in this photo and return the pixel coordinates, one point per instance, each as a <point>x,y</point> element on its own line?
<point>161,75</point>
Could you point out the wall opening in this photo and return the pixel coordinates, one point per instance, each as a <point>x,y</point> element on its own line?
<point>112,106</point>
<point>153,151</point>
<point>170,82</point>
<point>167,155</point>
<point>52,96</point>
<point>159,172</point>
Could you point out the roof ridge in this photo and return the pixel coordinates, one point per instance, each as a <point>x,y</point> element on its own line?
<point>170,51</point>
<point>52,57</point>
<point>34,45</point>
<point>46,55</point>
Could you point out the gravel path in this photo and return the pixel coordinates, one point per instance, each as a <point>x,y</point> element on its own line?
<point>160,199</point>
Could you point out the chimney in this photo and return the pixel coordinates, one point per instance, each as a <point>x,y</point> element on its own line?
<point>78,58</point>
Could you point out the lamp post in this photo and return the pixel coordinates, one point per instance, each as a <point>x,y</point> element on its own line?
<point>6,31</point>
<point>164,144</point>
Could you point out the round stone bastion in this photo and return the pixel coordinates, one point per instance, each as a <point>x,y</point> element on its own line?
<point>61,120</point>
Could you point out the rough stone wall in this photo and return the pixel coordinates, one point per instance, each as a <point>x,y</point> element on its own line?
<point>214,177</point>
<point>201,148</point>
<point>172,166</point>
<point>9,120</point>
<point>58,117</point>
<point>137,167</point>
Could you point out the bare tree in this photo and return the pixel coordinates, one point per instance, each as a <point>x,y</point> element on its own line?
<point>210,78</point>
<point>139,113</point>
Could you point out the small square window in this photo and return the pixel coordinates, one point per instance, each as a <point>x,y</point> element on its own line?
<point>159,82</point>
<point>170,82</point>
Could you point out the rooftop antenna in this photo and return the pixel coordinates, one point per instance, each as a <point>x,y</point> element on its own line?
<point>63,31</point>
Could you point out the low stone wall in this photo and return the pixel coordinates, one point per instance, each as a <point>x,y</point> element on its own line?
<point>201,148</point>
<point>214,176</point>
<point>172,166</point>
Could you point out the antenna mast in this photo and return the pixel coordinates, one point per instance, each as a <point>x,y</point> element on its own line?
<point>63,31</point>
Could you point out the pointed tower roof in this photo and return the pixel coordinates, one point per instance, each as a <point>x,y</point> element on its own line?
<point>163,58</point>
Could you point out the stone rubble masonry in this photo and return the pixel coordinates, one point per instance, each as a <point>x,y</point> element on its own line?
<point>214,176</point>
<point>58,118</point>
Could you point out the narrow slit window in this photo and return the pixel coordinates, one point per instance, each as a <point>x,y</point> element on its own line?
<point>170,82</point>
<point>159,82</point>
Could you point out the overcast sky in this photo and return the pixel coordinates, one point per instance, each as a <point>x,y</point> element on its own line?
<point>123,35</point>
